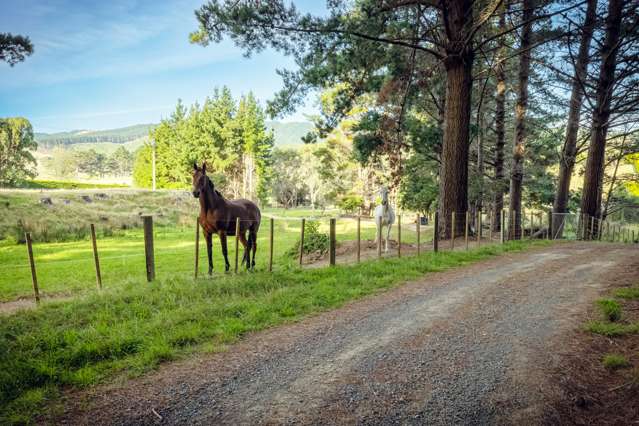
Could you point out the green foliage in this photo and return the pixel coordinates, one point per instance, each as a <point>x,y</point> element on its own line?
<point>627,293</point>
<point>16,143</point>
<point>14,48</point>
<point>610,309</point>
<point>118,136</point>
<point>615,361</point>
<point>142,167</point>
<point>61,184</point>
<point>350,203</point>
<point>314,240</point>
<point>230,137</point>
<point>419,189</point>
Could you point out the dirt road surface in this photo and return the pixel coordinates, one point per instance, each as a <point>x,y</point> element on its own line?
<point>469,346</point>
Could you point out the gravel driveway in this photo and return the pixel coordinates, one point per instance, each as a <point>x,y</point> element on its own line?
<point>468,346</point>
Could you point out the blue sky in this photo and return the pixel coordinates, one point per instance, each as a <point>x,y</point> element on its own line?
<point>106,64</point>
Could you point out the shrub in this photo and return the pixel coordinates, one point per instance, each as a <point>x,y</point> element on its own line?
<point>350,203</point>
<point>614,361</point>
<point>314,240</point>
<point>610,308</point>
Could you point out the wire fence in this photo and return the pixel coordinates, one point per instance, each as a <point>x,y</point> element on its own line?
<point>170,252</point>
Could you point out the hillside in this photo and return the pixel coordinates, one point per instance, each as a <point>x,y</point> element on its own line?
<point>286,135</point>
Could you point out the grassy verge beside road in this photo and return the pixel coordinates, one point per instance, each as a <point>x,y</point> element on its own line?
<point>132,328</point>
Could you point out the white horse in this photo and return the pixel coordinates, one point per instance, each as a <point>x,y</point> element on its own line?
<point>384,216</point>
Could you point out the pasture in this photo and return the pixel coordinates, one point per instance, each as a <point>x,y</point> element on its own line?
<point>66,267</point>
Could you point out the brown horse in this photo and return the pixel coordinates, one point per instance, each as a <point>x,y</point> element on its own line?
<point>218,216</point>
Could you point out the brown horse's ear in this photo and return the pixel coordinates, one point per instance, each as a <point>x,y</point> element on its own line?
<point>195,166</point>
<point>203,167</point>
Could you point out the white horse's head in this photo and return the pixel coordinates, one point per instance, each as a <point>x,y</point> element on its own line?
<point>383,192</point>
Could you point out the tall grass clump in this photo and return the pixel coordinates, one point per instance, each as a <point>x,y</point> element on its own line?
<point>614,361</point>
<point>610,309</point>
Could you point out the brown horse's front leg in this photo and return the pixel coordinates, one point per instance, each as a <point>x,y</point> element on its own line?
<point>225,251</point>
<point>209,250</point>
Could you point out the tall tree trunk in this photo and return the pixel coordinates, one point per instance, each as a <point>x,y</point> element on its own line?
<point>569,152</point>
<point>453,184</point>
<point>519,149</point>
<point>593,179</point>
<point>500,102</point>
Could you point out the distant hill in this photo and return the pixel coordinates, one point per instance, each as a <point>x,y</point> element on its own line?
<point>289,134</point>
<point>121,135</point>
<point>286,135</point>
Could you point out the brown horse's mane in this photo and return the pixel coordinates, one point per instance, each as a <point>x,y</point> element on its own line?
<point>219,194</point>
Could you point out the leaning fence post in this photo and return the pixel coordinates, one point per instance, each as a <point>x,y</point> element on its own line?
<point>197,246</point>
<point>331,246</point>
<point>436,232</point>
<point>359,237</point>
<point>270,245</point>
<point>378,221</point>
<point>399,235</point>
<point>452,231</point>
<point>34,277</point>
<point>98,276</point>
<point>466,229</point>
<point>302,240</point>
<point>237,241</point>
<point>419,228</point>
<point>148,248</point>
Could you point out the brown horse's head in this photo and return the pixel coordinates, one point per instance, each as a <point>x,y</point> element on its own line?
<point>200,180</point>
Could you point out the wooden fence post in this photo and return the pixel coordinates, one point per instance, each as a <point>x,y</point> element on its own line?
<point>378,222</point>
<point>148,248</point>
<point>237,241</point>
<point>331,247</point>
<point>34,277</point>
<point>399,235</point>
<point>490,228</point>
<point>98,276</point>
<point>592,228</point>
<point>197,246</point>
<point>479,229</point>
<point>359,238</point>
<point>532,223</point>
<point>270,245</point>
<point>503,226</point>
<point>549,234</point>
<point>466,228</point>
<point>436,232</point>
<point>302,240</point>
<point>419,230</point>
<point>452,231</point>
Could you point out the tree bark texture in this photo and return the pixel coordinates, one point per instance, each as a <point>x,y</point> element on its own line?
<point>569,151</point>
<point>519,149</point>
<point>593,178</point>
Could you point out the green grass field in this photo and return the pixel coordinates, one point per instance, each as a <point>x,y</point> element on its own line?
<point>68,267</point>
<point>132,326</point>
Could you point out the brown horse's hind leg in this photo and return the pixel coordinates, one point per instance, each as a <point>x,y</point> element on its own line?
<point>209,250</point>
<point>253,246</point>
<point>246,258</point>
<point>225,251</point>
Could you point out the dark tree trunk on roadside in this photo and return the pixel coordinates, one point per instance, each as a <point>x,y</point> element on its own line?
<point>453,184</point>
<point>593,178</point>
<point>500,102</point>
<point>519,149</point>
<point>569,152</point>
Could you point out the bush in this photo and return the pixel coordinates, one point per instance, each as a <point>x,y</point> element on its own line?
<point>314,240</point>
<point>350,203</point>
<point>610,308</point>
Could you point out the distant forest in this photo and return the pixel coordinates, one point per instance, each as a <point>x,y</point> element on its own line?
<point>286,134</point>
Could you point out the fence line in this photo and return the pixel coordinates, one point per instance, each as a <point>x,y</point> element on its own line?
<point>459,225</point>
